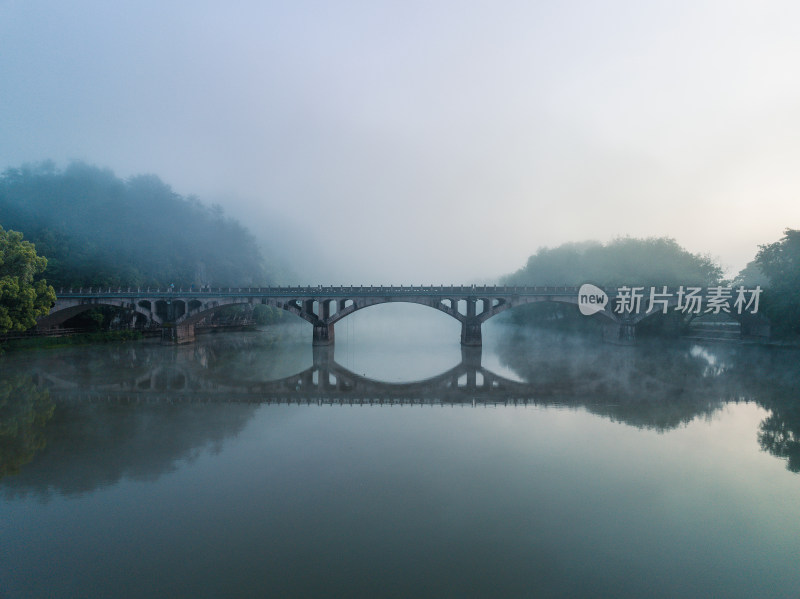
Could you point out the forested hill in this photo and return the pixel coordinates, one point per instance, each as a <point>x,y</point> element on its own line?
<point>98,230</point>
<point>622,261</point>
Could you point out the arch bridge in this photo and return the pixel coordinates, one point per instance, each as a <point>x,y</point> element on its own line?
<point>178,311</point>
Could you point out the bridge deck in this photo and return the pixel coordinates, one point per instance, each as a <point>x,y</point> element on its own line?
<point>444,291</point>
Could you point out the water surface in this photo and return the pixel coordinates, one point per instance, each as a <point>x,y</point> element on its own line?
<point>248,465</point>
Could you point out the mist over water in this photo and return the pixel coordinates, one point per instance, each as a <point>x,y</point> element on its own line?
<point>250,464</point>
<point>398,342</point>
<point>387,143</point>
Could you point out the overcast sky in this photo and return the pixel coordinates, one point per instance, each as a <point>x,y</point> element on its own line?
<point>407,141</point>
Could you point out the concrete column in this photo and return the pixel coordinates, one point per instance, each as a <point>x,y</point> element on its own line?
<point>323,354</point>
<point>471,356</point>
<point>620,333</point>
<point>323,377</point>
<point>472,378</point>
<point>755,327</point>
<point>181,333</point>
<point>471,308</point>
<point>673,324</point>
<point>471,330</point>
<point>323,334</point>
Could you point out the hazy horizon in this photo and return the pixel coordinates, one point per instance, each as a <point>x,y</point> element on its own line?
<point>419,142</point>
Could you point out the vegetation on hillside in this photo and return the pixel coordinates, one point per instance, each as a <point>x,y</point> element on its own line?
<point>623,261</point>
<point>780,264</point>
<point>99,230</point>
<point>654,261</point>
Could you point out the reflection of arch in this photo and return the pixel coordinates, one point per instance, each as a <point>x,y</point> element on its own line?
<point>324,381</point>
<point>629,393</point>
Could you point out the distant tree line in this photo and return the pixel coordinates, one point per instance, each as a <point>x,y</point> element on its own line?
<point>96,229</point>
<point>654,261</point>
<point>623,261</point>
<point>777,268</point>
<point>658,261</point>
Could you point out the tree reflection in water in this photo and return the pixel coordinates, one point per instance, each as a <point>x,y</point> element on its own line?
<point>96,416</point>
<point>662,385</point>
<point>25,411</point>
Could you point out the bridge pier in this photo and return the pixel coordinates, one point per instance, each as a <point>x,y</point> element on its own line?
<point>471,333</point>
<point>755,327</point>
<point>323,334</point>
<point>471,355</point>
<point>180,333</point>
<point>323,354</point>
<point>621,333</point>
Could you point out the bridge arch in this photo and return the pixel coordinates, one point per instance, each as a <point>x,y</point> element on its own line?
<point>357,305</point>
<point>63,312</point>
<point>503,305</point>
<point>198,310</point>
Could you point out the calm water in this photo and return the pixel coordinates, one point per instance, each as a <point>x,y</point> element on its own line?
<point>248,465</point>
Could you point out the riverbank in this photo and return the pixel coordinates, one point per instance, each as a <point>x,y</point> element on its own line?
<point>26,343</point>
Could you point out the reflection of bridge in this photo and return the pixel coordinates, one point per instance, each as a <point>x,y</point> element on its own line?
<point>178,311</point>
<point>325,382</point>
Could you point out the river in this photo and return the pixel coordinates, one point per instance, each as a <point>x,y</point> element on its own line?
<point>398,465</point>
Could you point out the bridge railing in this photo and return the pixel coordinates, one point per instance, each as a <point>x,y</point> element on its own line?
<point>320,290</point>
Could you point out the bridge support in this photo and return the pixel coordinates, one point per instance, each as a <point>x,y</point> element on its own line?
<point>471,355</point>
<point>755,327</point>
<point>323,334</point>
<point>323,354</point>
<point>180,333</point>
<point>471,333</point>
<point>621,333</point>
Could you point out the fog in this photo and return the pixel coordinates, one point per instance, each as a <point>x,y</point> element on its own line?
<point>425,142</point>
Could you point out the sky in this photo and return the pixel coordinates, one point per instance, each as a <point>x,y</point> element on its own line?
<point>425,142</point>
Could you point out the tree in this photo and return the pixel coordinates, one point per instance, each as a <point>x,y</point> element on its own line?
<point>780,262</point>
<point>653,261</point>
<point>622,261</point>
<point>98,230</point>
<point>22,298</point>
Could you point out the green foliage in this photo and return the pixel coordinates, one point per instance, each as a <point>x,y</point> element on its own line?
<point>780,436</point>
<point>24,412</point>
<point>266,314</point>
<point>98,230</point>
<point>22,298</point>
<point>654,261</point>
<point>751,276</point>
<point>780,262</point>
<point>96,318</point>
<point>623,261</point>
<point>77,339</point>
<point>238,314</point>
